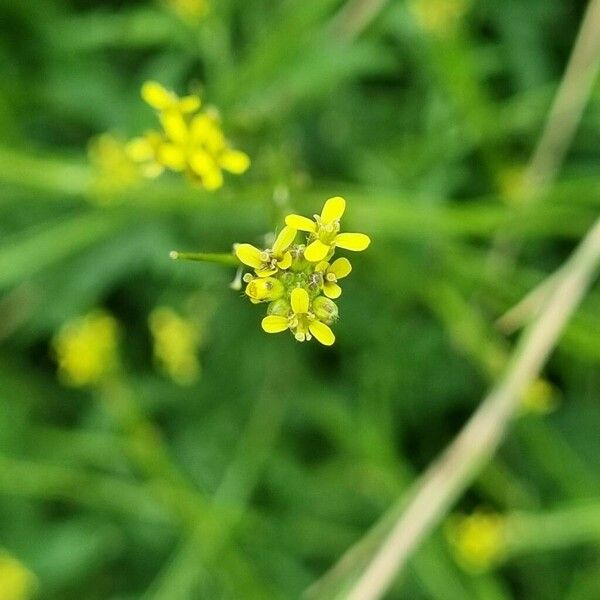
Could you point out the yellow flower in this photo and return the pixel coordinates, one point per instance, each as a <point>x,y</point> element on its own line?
<point>146,150</point>
<point>189,10</point>
<point>175,344</point>
<point>163,100</point>
<point>191,142</point>
<point>300,321</point>
<point>17,582</point>
<point>264,289</point>
<point>539,397</point>
<point>86,349</point>
<point>324,231</point>
<point>338,269</point>
<point>439,17</point>
<point>267,262</point>
<point>477,539</point>
<point>114,169</point>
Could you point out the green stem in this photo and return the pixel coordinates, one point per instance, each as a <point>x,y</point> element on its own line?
<point>228,260</point>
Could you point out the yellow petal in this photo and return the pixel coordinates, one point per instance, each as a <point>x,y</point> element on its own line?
<point>249,255</point>
<point>274,324</point>
<point>172,156</point>
<point>285,262</point>
<point>212,180</point>
<point>153,170</point>
<point>322,332</point>
<point>322,267</point>
<point>301,223</point>
<point>157,96</point>
<point>189,104</point>
<point>341,268</point>
<point>201,162</point>
<point>234,161</point>
<point>316,251</point>
<point>299,301</point>
<point>332,290</point>
<point>284,240</point>
<point>333,209</point>
<point>266,272</point>
<point>352,241</point>
<point>175,126</point>
<point>140,149</point>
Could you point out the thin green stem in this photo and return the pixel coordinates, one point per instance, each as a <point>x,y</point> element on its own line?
<point>228,260</point>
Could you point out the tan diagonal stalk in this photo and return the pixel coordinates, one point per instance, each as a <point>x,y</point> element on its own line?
<point>454,471</point>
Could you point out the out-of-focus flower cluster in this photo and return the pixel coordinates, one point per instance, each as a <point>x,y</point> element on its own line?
<point>17,582</point>
<point>86,349</point>
<point>175,340</point>
<point>299,281</point>
<point>478,539</point>
<point>191,141</point>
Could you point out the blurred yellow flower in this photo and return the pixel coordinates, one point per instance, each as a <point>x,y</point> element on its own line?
<point>113,169</point>
<point>17,582</point>
<point>189,10</point>
<point>86,349</point>
<point>176,341</point>
<point>190,142</point>
<point>477,540</point>
<point>439,17</point>
<point>540,397</point>
<point>324,231</point>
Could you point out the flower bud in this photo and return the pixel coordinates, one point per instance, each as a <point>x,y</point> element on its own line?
<point>264,289</point>
<point>280,308</point>
<point>325,310</point>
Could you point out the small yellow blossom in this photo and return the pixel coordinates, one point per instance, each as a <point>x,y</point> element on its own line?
<point>176,342</point>
<point>295,280</point>
<point>189,10</point>
<point>267,262</point>
<point>114,171</point>
<point>163,100</point>
<point>540,397</point>
<point>86,349</point>
<point>17,582</point>
<point>300,320</point>
<point>145,150</point>
<point>191,142</point>
<point>439,17</point>
<point>477,540</point>
<point>324,231</point>
<point>332,273</point>
<point>264,289</point>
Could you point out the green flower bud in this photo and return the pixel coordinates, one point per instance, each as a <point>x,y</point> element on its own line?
<point>325,309</point>
<point>264,289</point>
<point>280,308</point>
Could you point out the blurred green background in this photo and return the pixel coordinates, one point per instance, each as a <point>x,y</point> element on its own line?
<point>215,461</point>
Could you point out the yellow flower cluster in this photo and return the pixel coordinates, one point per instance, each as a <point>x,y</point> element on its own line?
<point>477,540</point>
<point>299,281</point>
<point>86,349</point>
<point>113,169</point>
<point>17,582</point>
<point>175,341</point>
<point>191,141</point>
